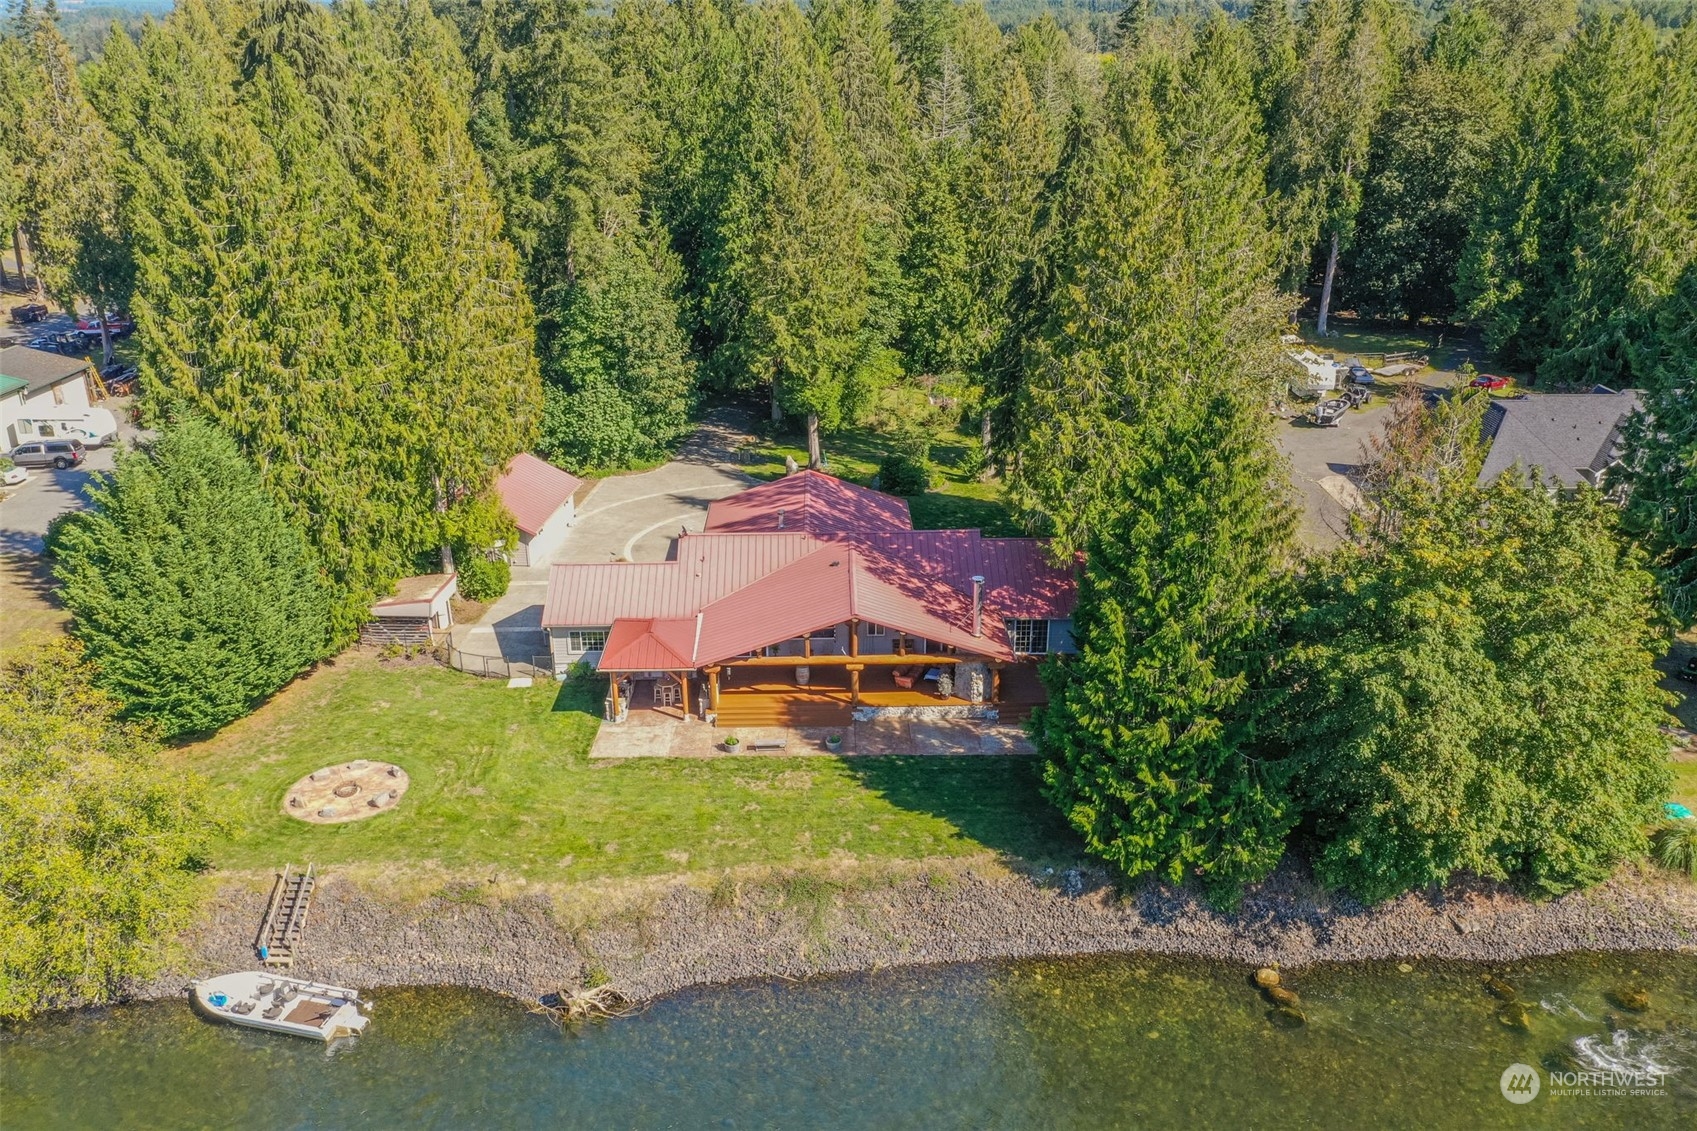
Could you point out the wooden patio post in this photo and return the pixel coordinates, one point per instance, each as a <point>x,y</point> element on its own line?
<point>807,645</point>
<point>713,687</point>
<point>854,636</point>
<point>683,681</point>
<point>854,684</point>
<point>613,689</point>
<point>996,684</point>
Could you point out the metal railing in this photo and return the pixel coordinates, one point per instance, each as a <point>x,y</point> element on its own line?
<point>496,667</point>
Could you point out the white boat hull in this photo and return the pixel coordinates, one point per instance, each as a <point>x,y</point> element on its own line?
<point>279,1004</point>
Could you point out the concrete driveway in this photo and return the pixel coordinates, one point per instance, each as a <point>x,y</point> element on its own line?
<point>631,517</point>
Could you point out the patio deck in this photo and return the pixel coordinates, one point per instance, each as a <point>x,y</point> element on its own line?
<point>661,737</point>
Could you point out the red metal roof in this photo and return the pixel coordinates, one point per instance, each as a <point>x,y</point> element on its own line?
<point>649,646</point>
<point>810,501</point>
<point>725,593</point>
<point>533,489</point>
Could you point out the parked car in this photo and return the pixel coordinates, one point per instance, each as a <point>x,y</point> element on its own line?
<point>1491,381</point>
<point>13,476</point>
<point>116,322</point>
<point>29,312</point>
<point>1689,672</point>
<point>1359,374</point>
<point>50,453</point>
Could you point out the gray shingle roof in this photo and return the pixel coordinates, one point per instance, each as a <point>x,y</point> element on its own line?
<point>1571,437</point>
<point>39,369</point>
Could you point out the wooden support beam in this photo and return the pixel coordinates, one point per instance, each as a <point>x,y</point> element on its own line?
<point>807,646</point>
<point>854,636</point>
<point>713,687</point>
<point>613,690</point>
<point>683,682</point>
<point>854,684</point>
<point>886,660</point>
<point>996,684</point>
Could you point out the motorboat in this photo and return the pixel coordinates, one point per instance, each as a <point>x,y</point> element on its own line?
<point>263,1000</point>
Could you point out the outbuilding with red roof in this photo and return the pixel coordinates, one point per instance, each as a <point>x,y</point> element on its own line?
<point>539,497</point>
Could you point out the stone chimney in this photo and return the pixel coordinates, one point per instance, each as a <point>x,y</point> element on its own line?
<point>978,604</point>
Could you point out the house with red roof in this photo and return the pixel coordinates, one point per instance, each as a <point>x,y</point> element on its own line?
<point>809,598</point>
<point>539,497</point>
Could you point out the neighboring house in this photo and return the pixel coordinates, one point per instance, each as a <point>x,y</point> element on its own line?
<point>420,611</point>
<point>539,497</point>
<point>1572,438</point>
<point>809,596</point>
<point>42,395</point>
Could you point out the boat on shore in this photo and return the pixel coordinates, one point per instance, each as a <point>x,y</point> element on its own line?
<point>261,1000</point>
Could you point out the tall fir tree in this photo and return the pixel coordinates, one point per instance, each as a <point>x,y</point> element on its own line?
<point>188,587</point>
<point>330,286</point>
<point>789,258</point>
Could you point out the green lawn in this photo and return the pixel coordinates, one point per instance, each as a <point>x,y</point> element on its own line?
<point>1370,341</point>
<point>1685,785</point>
<point>959,498</point>
<point>500,782</point>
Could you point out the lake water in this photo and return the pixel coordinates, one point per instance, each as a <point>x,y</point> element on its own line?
<point>1085,1043</point>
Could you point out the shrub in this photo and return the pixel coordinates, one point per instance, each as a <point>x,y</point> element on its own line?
<point>1673,845</point>
<point>483,578</point>
<point>906,470</point>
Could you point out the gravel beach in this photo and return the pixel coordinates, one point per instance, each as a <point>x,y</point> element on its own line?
<point>650,939</point>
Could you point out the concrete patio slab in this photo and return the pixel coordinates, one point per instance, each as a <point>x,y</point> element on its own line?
<point>655,737</point>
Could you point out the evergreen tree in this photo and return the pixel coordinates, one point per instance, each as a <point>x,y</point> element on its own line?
<point>569,146</point>
<point>1144,445</point>
<point>320,269</point>
<point>788,261</point>
<point>1591,223</point>
<point>188,587</point>
<point>1470,689</point>
<point>1430,157</point>
<point>1149,733</point>
<point>1662,449</point>
<point>65,191</point>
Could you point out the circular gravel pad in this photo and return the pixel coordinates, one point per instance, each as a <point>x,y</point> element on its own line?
<point>350,792</point>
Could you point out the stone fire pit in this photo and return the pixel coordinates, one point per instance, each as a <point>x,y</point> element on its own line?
<point>335,795</point>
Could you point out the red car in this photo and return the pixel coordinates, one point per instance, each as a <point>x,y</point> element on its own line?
<point>1491,381</point>
<point>117,323</point>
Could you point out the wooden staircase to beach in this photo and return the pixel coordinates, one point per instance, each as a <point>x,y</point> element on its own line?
<point>285,916</point>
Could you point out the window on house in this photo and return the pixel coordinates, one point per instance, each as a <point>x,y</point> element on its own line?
<point>586,639</point>
<point>829,632</point>
<point>876,630</point>
<point>1028,636</point>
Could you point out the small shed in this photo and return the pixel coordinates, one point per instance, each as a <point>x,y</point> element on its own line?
<point>419,609</point>
<point>539,497</point>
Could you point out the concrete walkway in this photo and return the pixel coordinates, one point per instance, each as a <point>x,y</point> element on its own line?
<point>631,517</point>
<point>652,738</point>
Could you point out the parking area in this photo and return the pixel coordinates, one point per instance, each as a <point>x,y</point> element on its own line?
<point>26,509</point>
<point>1323,459</point>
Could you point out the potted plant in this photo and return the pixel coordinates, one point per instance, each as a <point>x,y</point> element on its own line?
<point>731,743</point>
<point>834,743</point>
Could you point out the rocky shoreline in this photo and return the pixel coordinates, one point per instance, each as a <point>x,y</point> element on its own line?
<point>654,938</point>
